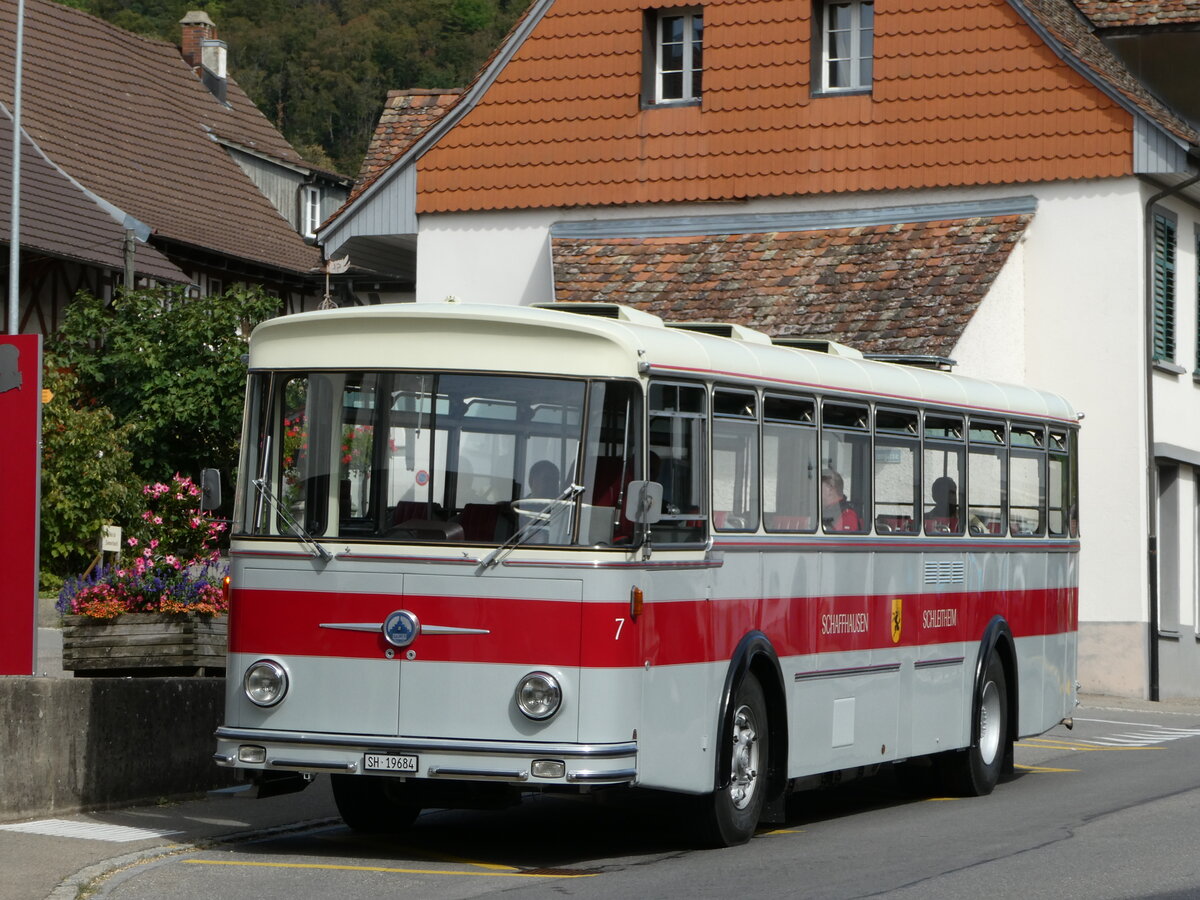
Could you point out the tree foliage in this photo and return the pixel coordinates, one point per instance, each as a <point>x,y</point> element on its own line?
<point>169,368</point>
<point>87,474</point>
<point>321,69</point>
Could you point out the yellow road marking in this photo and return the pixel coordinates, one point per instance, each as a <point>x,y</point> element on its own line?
<point>446,857</point>
<point>940,799</point>
<point>1064,745</point>
<point>1041,769</point>
<point>386,869</point>
<point>780,831</point>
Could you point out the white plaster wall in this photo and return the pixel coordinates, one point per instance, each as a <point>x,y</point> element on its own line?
<point>485,257</point>
<point>1084,339</point>
<point>993,344</point>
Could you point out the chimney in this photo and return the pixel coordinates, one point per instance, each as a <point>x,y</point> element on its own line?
<point>203,52</point>
<point>197,28</point>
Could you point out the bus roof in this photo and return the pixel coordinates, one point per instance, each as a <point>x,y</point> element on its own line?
<point>512,339</point>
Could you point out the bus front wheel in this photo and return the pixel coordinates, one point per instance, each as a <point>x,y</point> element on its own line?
<point>975,771</point>
<point>733,811</point>
<point>372,804</point>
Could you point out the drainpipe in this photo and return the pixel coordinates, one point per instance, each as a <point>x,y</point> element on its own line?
<point>1151,467</point>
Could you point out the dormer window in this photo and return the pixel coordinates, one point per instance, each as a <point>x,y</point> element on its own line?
<point>846,38</point>
<point>311,210</point>
<point>674,56</point>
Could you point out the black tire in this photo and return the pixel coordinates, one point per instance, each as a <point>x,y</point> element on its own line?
<point>731,814</point>
<point>373,804</point>
<point>975,771</point>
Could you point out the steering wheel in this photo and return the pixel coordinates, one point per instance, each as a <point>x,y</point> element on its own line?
<point>538,508</point>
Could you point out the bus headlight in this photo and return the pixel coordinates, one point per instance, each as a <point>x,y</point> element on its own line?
<point>265,683</point>
<point>538,695</point>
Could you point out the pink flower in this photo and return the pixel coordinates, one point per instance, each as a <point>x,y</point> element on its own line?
<point>158,520</point>
<point>153,543</point>
<point>132,542</point>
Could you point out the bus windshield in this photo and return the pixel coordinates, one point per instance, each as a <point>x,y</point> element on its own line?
<point>410,456</point>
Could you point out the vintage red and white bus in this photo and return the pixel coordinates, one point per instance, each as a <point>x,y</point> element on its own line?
<point>481,551</point>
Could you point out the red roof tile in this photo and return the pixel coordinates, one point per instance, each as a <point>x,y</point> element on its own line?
<point>903,288</point>
<point>965,93</point>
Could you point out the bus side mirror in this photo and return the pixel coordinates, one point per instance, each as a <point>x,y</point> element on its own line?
<point>643,502</point>
<point>210,489</point>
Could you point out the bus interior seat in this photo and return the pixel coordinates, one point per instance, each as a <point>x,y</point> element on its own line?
<point>611,480</point>
<point>486,522</point>
<point>941,525</point>
<point>895,525</point>
<point>780,522</point>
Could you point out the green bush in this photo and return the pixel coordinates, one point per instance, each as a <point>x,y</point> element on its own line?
<point>148,386</point>
<point>168,366</point>
<point>87,475</point>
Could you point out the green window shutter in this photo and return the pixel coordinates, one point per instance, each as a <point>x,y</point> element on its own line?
<point>1197,370</point>
<point>1164,287</point>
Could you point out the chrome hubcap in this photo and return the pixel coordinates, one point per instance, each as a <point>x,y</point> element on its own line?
<point>989,723</point>
<point>744,770</point>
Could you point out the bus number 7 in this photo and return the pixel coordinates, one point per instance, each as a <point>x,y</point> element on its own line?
<point>620,625</point>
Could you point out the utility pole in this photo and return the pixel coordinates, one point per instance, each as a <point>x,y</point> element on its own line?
<point>14,232</point>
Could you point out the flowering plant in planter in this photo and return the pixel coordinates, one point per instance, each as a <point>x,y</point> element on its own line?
<point>176,568</point>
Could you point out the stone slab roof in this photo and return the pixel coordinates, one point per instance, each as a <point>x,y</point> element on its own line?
<point>904,288</point>
<point>1063,20</point>
<point>60,220</point>
<point>126,117</point>
<point>1140,13</point>
<point>407,114</point>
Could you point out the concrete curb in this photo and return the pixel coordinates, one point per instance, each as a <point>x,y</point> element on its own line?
<point>98,879</point>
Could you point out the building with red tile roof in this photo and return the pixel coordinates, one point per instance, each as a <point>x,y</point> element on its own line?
<point>174,146</point>
<point>993,181</point>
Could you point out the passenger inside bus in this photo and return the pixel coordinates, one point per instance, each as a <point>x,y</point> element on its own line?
<point>544,481</point>
<point>838,514</point>
<point>942,517</point>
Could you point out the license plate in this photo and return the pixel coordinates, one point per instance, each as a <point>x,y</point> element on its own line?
<point>390,762</point>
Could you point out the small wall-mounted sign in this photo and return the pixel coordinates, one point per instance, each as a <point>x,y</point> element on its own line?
<point>110,539</point>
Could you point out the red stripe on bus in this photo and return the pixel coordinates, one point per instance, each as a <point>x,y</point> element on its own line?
<point>604,635</point>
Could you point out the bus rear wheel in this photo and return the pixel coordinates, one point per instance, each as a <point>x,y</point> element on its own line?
<point>372,804</point>
<point>732,812</point>
<point>975,771</point>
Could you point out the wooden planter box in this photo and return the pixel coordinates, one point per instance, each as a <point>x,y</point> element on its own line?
<point>145,644</point>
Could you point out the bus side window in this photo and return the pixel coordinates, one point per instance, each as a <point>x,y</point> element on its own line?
<point>846,467</point>
<point>735,461</point>
<point>942,493</point>
<point>986,478</point>
<point>1058,497</point>
<point>678,444</point>
<point>790,464</point>
<point>1027,480</point>
<point>897,446</point>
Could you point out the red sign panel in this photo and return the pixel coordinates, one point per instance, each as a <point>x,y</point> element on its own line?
<point>20,473</point>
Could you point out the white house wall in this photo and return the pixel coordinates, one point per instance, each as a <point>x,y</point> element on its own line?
<point>485,257</point>
<point>1065,314</point>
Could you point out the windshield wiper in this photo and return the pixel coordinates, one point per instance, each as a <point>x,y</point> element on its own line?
<point>298,531</point>
<point>540,522</point>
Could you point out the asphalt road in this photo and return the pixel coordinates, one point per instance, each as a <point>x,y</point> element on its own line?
<point>1108,810</point>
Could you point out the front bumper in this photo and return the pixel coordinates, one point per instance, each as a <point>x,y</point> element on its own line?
<point>509,762</point>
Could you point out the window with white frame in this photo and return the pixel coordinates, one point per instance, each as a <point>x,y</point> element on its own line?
<point>846,30</point>
<point>674,55</point>
<point>311,209</point>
